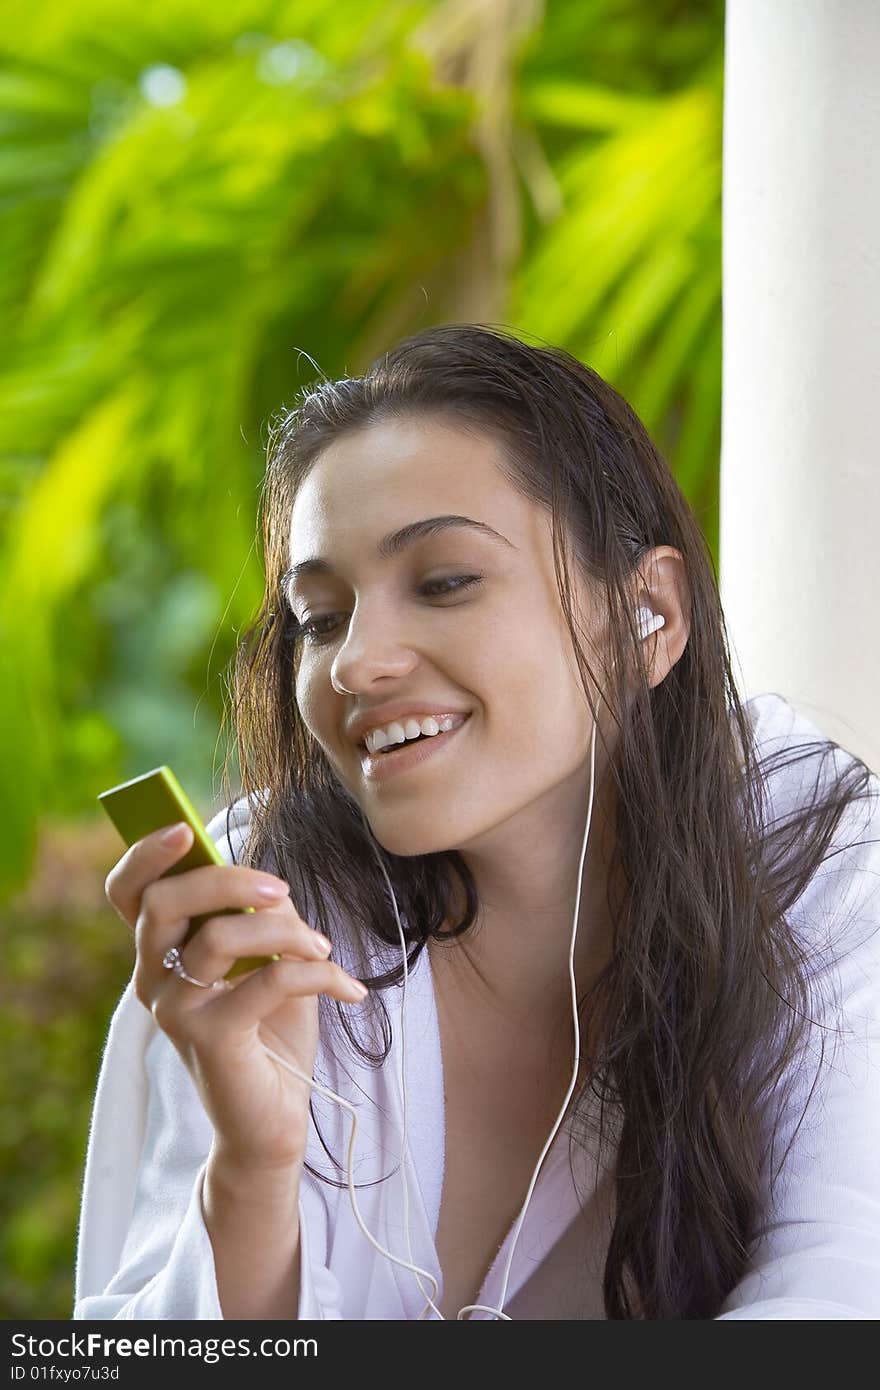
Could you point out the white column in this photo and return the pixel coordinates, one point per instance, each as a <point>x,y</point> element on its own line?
<point>800,471</point>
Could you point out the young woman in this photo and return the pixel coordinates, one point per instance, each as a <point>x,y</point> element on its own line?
<point>476,552</point>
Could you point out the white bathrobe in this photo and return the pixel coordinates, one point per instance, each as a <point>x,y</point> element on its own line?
<point>144,1251</point>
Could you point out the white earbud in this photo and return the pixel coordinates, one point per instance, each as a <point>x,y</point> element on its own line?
<point>649,622</point>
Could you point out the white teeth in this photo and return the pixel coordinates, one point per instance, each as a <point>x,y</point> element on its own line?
<point>396,732</point>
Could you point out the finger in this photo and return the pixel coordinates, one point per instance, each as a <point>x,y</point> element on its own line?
<point>181,976</point>
<point>142,862</point>
<point>168,904</point>
<point>260,994</point>
<point>221,941</point>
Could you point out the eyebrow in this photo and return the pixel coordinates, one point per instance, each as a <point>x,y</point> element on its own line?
<point>393,544</point>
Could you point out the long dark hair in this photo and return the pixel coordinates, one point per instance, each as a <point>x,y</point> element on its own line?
<point>706,998</point>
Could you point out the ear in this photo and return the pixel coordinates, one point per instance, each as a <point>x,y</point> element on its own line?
<point>662,585</point>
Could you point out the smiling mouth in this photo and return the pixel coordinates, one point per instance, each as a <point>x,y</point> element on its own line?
<point>401,754</point>
<point>396,747</point>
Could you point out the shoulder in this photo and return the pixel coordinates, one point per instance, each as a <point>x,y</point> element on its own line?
<point>779,728</point>
<point>778,724</point>
<point>799,763</point>
<point>230,827</point>
<point>837,915</point>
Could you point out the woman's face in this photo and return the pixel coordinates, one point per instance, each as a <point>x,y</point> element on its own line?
<point>382,629</point>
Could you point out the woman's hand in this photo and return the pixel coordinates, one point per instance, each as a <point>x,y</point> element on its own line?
<point>259,1110</point>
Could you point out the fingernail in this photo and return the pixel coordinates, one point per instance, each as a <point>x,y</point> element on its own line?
<point>360,990</point>
<point>172,833</point>
<point>322,943</point>
<point>266,888</point>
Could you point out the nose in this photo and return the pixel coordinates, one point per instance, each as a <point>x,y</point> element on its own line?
<point>372,650</point>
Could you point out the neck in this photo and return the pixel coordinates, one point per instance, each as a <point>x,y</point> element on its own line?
<point>512,965</point>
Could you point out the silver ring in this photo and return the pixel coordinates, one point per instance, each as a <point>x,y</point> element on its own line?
<point>172,961</point>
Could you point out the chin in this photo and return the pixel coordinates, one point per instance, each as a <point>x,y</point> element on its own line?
<point>408,841</point>
<point>408,833</point>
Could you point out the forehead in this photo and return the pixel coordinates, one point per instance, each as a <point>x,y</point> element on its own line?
<point>394,472</point>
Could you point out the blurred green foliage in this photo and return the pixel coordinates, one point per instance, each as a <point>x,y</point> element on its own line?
<point>204,208</point>
<point>62,970</point>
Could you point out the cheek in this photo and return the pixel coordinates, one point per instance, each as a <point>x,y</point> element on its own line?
<point>532,664</point>
<point>539,702</point>
<point>313,710</point>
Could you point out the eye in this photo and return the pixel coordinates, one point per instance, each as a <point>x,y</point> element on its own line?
<point>312,631</point>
